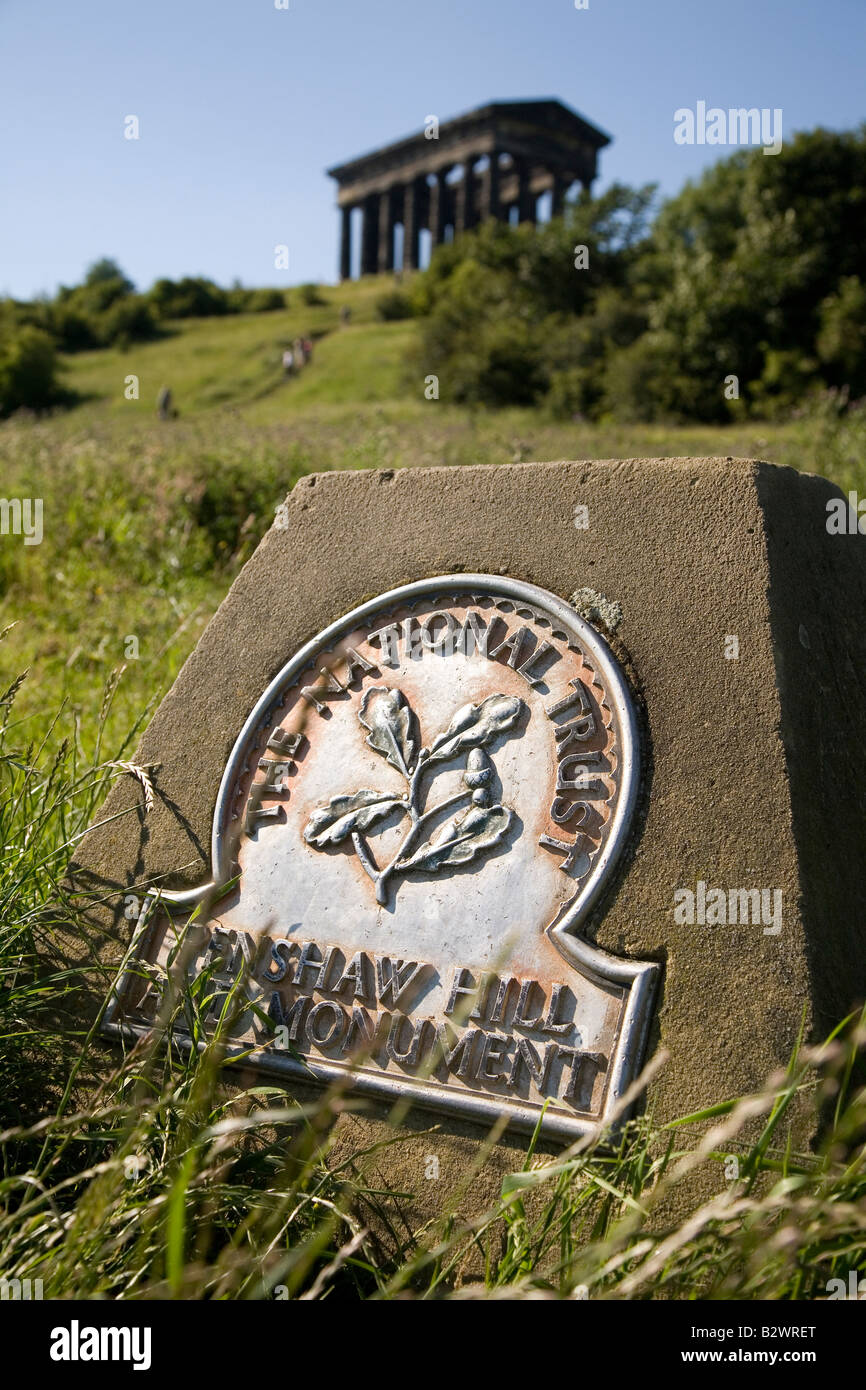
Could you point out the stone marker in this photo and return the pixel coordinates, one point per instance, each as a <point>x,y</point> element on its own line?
<point>484,849</point>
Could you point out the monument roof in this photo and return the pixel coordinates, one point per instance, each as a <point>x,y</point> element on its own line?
<point>538,116</point>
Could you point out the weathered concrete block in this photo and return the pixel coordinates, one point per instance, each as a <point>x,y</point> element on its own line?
<point>728,720</point>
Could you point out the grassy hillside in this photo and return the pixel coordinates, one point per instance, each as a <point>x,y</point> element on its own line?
<point>236,361</point>
<point>147,522</point>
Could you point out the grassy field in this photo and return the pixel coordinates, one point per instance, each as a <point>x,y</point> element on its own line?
<point>164,1187</point>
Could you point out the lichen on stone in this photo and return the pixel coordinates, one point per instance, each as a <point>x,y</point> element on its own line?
<point>595,608</point>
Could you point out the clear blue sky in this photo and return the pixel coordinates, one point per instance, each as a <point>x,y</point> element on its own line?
<point>243,106</point>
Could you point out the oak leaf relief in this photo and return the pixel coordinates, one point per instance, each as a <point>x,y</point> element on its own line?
<point>392,732</point>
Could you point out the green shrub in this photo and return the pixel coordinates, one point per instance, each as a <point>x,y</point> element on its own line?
<point>130,320</point>
<point>643,382</point>
<point>788,378</point>
<point>199,298</point>
<point>265,301</point>
<point>570,394</point>
<point>100,312</point>
<point>28,371</point>
<point>310,294</point>
<point>393,305</point>
<point>72,329</point>
<point>841,341</point>
<point>509,370</point>
<point>191,297</point>
<point>101,295</point>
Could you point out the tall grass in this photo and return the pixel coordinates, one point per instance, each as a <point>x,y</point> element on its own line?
<point>147,523</point>
<point>154,1171</point>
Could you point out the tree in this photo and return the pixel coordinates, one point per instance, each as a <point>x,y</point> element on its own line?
<point>107,269</point>
<point>746,260</point>
<point>508,313</point>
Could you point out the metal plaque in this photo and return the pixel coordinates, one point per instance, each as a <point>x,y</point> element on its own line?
<point>417,817</point>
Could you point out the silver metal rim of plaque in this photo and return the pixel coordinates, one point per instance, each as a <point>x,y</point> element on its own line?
<point>477,840</point>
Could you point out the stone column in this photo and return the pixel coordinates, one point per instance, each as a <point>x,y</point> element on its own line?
<point>465,214</point>
<point>439,207</point>
<point>370,235</point>
<point>411,224</point>
<point>558,188</point>
<point>345,243</point>
<point>490,203</point>
<point>525,200</point>
<point>385,257</point>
